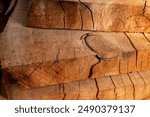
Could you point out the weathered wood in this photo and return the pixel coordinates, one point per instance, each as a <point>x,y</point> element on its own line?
<point>124,86</point>
<point>142,47</point>
<point>139,86</point>
<point>13,92</point>
<point>108,1</point>
<point>41,57</point>
<point>106,89</point>
<point>88,90</point>
<point>105,15</point>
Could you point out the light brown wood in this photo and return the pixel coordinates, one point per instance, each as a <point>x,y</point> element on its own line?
<point>119,87</point>
<point>106,89</point>
<point>42,57</point>
<point>124,86</point>
<point>129,90</point>
<point>72,90</point>
<point>88,90</point>
<point>139,86</point>
<point>13,92</point>
<point>146,77</point>
<point>142,46</point>
<point>105,15</point>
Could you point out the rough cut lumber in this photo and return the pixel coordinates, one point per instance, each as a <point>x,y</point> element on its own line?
<point>12,91</point>
<point>108,15</point>
<point>41,57</point>
<point>107,1</point>
<point>119,87</point>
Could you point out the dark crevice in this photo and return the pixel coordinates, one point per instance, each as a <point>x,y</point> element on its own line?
<point>146,37</point>
<point>90,13</point>
<point>115,88</point>
<point>97,95</point>
<point>143,11</point>
<point>145,85</point>
<point>4,16</point>
<point>92,67</point>
<point>64,19</point>
<point>134,48</point>
<point>63,86</point>
<point>84,37</point>
<point>133,86</point>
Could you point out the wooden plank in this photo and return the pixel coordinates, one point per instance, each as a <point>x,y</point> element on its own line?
<point>106,89</point>
<point>133,86</point>
<point>142,46</point>
<point>146,77</point>
<point>71,90</point>
<point>129,90</point>
<point>139,86</point>
<point>88,90</point>
<point>119,87</point>
<point>105,15</point>
<point>147,36</point>
<point>108,1</point>
<point>14,92</point>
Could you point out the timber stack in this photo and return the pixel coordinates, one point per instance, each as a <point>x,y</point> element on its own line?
<point>76,49</point>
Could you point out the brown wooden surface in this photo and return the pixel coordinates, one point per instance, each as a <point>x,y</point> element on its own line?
<point>41,57</point>
<point>101,15</point>
<point>119,87</point>
<point>2,98</point>
<point>107,1</point>
<point>12,91</point>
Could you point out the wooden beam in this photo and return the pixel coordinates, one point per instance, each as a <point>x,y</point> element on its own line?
<point>12,91</point>
<point>103,15</point>
<point>131,86</point>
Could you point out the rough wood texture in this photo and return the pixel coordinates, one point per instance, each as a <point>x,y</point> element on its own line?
<point>12,91</point>
<point>107,1</point>
<point>40,57</point>
<point>108,15</point>
<point>119,87</point>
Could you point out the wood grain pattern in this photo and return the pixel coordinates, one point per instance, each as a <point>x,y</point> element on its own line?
<point>41,57</point>
<point>99,15</point>
<point>130,86</point>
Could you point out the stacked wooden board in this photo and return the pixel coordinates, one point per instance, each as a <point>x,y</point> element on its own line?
<point>101,15</point>
<point>80,62</point>
<point>120,87</point>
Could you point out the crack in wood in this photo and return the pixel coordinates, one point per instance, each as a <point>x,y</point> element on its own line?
<point>145,4</point>
<point>145,84</point>
<point>64,18</point>
<point>28,77</point>
<point>98,91</point>
<point>132,85</point>
<point>93,25</point>
<point>83,37</point>
<point>136,50</point>
<point>64,94</point>
<point>114,88</point>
